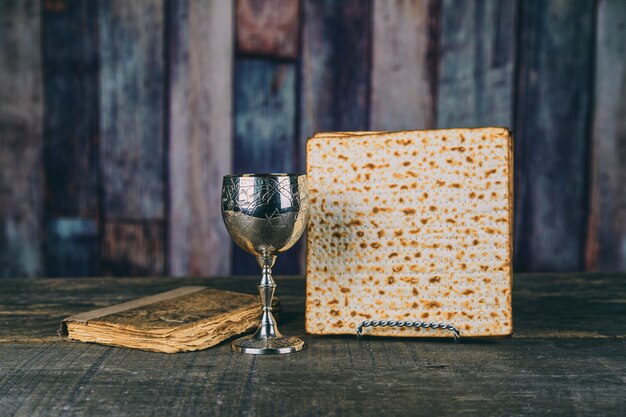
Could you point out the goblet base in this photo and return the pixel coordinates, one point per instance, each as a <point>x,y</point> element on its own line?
<point>269,346</point>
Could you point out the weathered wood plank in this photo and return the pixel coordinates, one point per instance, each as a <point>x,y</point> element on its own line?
<point>268,27</point>
<point>21,139</point>
<point>265,140</point>
<point>133,249</point>
<point>333,377</point>
<point>552,126</point>
<point>132,108</point>
<point>72,247</point>
<point>606,241</point>
<point>335,67</point>
<point>545,306</point>
<point>476,67</point>
<point>556,359</point>
<point>404,64</point>
<point>70,61</point>
<point>200,132</point>
<point>265,116</point>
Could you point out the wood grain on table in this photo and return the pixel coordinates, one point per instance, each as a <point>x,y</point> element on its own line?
<point>567,357</point>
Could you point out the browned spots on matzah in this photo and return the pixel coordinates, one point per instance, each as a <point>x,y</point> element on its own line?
<point>432,304</point>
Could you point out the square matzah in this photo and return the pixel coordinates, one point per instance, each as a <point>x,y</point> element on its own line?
<point>412,225</point>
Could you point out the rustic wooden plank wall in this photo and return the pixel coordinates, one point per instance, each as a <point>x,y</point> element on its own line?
<point>130,249</point>
<point>132,107</point>
<point>606,245</point>
<point>200,134</point>
<point>476,63</point>
<point>268,28</point>
<point>404,64</point>
<point>335,67</point>
<point>118,119</point>
<point>70,60</point>
<point>552,126</point>
<point>21,139</point>
<point>72,247</point>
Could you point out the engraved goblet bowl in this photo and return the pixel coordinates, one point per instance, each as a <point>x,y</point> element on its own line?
<point>265,214</point>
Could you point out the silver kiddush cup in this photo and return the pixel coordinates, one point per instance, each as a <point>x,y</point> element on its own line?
<point>265,214</point>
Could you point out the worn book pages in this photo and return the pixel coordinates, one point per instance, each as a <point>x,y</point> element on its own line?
<point>181,320</point>
<point>413,225</point>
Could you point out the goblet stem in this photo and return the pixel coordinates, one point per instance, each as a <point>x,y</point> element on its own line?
<point>267,340</point>
<point>267,328</point>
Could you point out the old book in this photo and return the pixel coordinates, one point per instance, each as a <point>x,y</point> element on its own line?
<point>181,320</point>
<point>413,225</point>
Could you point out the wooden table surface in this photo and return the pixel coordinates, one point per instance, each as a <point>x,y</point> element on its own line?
<point>567,357</point>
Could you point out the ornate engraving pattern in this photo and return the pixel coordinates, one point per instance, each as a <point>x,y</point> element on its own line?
<point>264,198</point>
<point>265,214</point>
<point>251,197</point>
<point>271,343</point>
